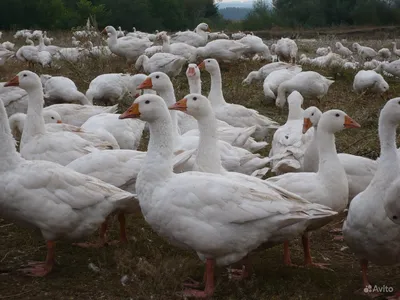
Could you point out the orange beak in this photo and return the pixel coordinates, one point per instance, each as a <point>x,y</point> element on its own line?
<point>147,84</point>
<point>209,29</point>
<point>104,30</point>
<point>131,113</point>
<point>59,122</point>
<point>306,125</point>
<point>350,123</point>
<point>180,105</point>
<point>191,71</point>
<point>202,65</point>
<point>12,82</point>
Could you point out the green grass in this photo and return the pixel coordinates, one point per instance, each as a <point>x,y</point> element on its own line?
<point>156,269</point>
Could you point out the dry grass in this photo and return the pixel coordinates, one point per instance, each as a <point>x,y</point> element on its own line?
<point>155,269</point>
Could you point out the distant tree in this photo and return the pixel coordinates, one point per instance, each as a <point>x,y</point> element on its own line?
<point>260,17</point>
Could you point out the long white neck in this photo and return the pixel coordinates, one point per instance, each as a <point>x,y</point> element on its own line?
<point>388,167</point>
<point>112,39</point>
<point>194,84</point>
<point>295,111</point>
<point>216,96</point>
<point>208,158</point>
<point>9,156</point>
<point>166,47</point>
<point>157,166</point>
<point>34,123</point>
<point>168,95</point>
<point>311,155</point>
<point>329,163</point>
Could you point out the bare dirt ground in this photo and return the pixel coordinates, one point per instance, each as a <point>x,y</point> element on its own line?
<point>156,270</point>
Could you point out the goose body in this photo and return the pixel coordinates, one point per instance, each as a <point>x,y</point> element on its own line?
<point>161,62</point>
<point>267,69</point>
<point>342,50</point>
<point>309,84</point>
<point>180,49</point>
<point>370,80</point>
<point>223,50</point>
<point>276,78</point>
<point>196,38</point>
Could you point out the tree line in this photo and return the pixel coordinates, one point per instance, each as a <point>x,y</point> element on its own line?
<point>172,15</point>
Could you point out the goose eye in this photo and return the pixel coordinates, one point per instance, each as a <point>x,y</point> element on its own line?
<point>194,98</point>
<point>337,115</point>
<point>209,61</point>
<point>52,118</point>
<point>24,75</point>
<point>398,102</point>
<point>394,217</point>
<point>312,114</point>
<point>147,101</point>
<point>158,76</point>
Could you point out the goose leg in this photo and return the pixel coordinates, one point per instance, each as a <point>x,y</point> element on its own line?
<point>40,269</point>
<point>286,254</point>
<point>307,254</point>
<point>209,284</point>
<point>102,238</point>
<point>190,283</point>
<point>122,231</point>
<point>244,272</point>
<point>367,288</point>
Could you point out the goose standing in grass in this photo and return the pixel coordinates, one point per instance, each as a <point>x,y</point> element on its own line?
<point>359,170</point>
<point>267,69</point>
<point>161,62</point>
<point>129,48</point>
<point>368,230</point>
<point>256,46</point>
<point>329,185</point>
<point>384,53</point>
<point>61,89</point>
<point>36,143</point>
<point>276,78</point>
<point>289,143</point>
<point>370,81</point>
<point>323,51</point>
<point>366,53</point>
<point>216,229</point>
<point>234,114</point>
<point>286,50</point>
<point>224,50</point>
<point>309,84</point>
<point>61,203</point>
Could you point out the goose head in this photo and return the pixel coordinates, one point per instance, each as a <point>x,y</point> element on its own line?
<point>51,117</point>
<point>356,46</point>
<point>157,81</point>
<point>210,65</point>
<point>203,27</point>
<point>147,107</point>
<point>392,203</point>
<point>335,120</point>
<point>195,105</point>
<point>193,71</point>
<point>26,80</point>
<point>311,117</point>
<point>109,29</point>
<point>338,45</point>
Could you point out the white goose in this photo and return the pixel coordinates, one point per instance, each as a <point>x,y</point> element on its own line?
<point>167,63</point>
<point>267,69</point>
<point>218,230</point>
<point>60,88</point>
<point>233,158</point>
<point>309,84</point>
<point>366,53</point>
<point>370,81</point>
<point>127,47</point>
<point>234,114</point>
<point>276,78</point>
<point>196,38</point>
<point>359,170</point>
<point>342,50</point>
<point>36,143</point>
<point>15,100</point>
<point>395,50</point>
<point>180,49</point>
<point>392,68</point>
<point>329,185</point>
<point>224,50</point>
<point>61,203</point>
<point>368,230</point>
<point>289,143</point>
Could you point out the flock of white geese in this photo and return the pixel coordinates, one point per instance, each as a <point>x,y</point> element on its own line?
<point>199,185</point>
